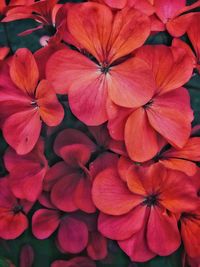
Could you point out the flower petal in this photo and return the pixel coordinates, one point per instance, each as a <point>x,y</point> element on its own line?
<point>97,246</point>
<point>45,222</point>
<point>22,130</point>
<point>50,109</point>
<point>124,226</point>
<point>140,138</point>
<point>24,71</point>
<point>163,236</point>
<point>62,194</point>
<point>130,84</point>
<point>93,35</point>
<point>111,195</point>
<point>171,115</point>
<point>72,235</point>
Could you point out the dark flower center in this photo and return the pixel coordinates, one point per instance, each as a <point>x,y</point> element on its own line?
<point>151,200</point>
<point>148,104</point>
<point>105,69</point>
<point>34,103</point>
<point>17,209</point>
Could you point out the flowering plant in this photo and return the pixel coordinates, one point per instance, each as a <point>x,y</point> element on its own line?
<point>100,133</point>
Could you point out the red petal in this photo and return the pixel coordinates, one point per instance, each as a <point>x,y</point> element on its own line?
<point>136,246</point>
<point>7,199</point>
<point>182,165</point>
<point>122,227</point>
<point>36,156</point>
<point>51,111</point>
<point>103,161</point>
<point>172,67</point>
<point>193,34</point>
<point>55,173</point>
<point>166,9</point>
<point>45,222</point>
<point>190,234</point>
<point>130,84</point>
<point>130,29</point>
<point>97,246</point>
<point>26,183</point>
<point>82,196</point>
<point>140,138</point>
<point>72,235</point>
<point>4,52</point>
<point>22,130</point>
<point>171,115</point>
<point>162,232</point>
<point>42,56</point>
<point>111,195</point>
<point>12,225</point>
<point>75,155</point>
<point>62,194</point>
<point>72,136</point>
<point>174,198</point>
<point>92,35</point>
<point>24,71</point>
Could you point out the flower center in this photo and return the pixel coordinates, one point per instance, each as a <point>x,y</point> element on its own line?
<point>151,200</point>
<point>17,209</point>
<point>34,103</point>
<point>105,68</point>
<point>148,104</point>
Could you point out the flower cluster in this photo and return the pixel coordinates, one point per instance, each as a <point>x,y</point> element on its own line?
<point>102,146</point>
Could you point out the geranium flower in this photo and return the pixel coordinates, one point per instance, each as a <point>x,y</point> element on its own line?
<point>26,173</point>
<point>75,262</point>
<point>4,7</point>
<point>144,128</point>
<point>70,181</point>
<point>25,103</point>
<point>76,231</point>
<point>13,219</point>
<point>109,38</point>
<point>46,12</point>
<point>141,213</point>
<point>174,15</point>
<point>72,234</point>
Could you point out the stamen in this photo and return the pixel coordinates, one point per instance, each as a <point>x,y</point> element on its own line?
<point>151,200</point>
<point>17,209</point>
<point>148,104</point>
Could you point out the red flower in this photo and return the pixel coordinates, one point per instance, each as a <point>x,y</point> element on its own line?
<point>72,236</point>
<point>174,14</point>
<point>76,231</point>
<point>70,181</point>
<point>13,220</point>
<point>25,103</point>
<point>26,173</point>
<point>141,213</point>
<point>109,38</point>
<point>46,12</point>
<point>162,116</point>
<point>75,262</point>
